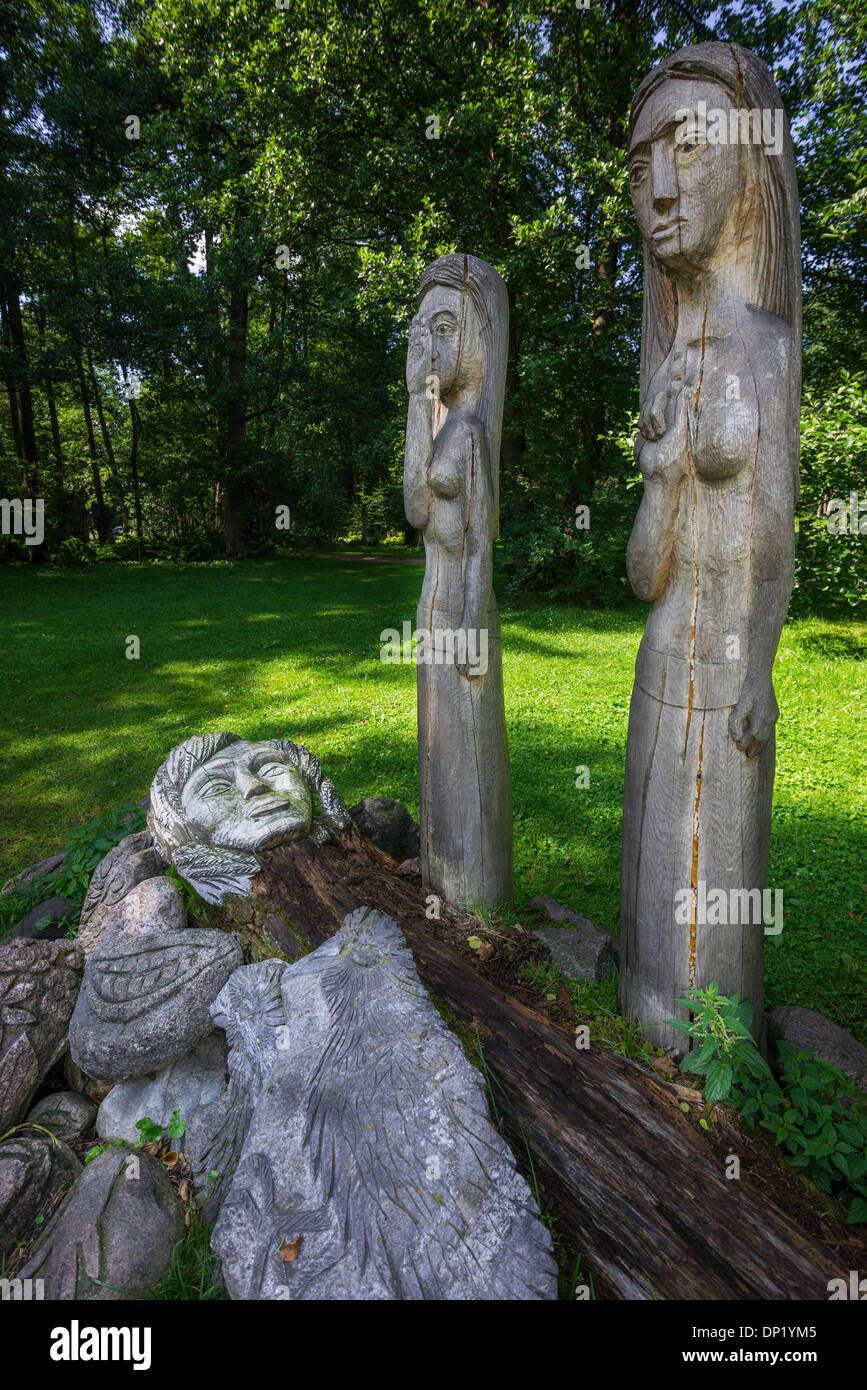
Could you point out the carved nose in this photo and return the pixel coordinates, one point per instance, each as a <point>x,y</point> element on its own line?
<point>664,185</point>
<point>250,786</point>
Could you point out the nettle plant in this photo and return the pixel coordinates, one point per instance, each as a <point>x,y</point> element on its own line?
<point>814,1113</point>
<point>85,848</point>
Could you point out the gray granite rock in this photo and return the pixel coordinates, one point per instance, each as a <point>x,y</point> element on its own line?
<point>56,910</point>
<point>389,825</point>
<point>39,984</point>
<point>84,1085</point>
<point>196,1079</point>
<point>66,1113</point>
<point>33,1171</point>
<point>249,1012</point>
<point>134,860</point>
<point>113,1237</point>
<point>23,880</point>
<point>145,1000</point>
<point>370,1159</point>
<point>585,953</point>
<point>810,1031</point>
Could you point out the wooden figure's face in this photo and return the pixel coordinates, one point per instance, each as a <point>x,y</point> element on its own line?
<point>684,187</point>
<point>457,354</point>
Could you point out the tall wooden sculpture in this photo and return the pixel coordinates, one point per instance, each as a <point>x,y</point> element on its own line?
<point>456,369</point>
<point>712,177</point>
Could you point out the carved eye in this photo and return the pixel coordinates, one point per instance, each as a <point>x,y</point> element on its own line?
<point>688,146</point>
<point>444,330</point>
<point>271,770</point>
<point>216,786</point>
<point>636,173</point>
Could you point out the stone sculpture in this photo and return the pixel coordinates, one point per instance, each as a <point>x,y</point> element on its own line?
<point>455,374</point>
<point>146,1000</point>
<point>114,1236</point>
<point>39,983</point>
<point>131,862</point>
<point>370,1169</point>
<point>218,801</point>
<point>194,1080</point>
<point>713,184</point>
<point>249,1010</point>
<point>34,1170</point>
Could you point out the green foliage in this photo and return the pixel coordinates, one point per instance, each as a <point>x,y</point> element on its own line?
<point>815,1114</point>
<point>726,1049</point>
<point>88,844</point>
<point>152,1133</point>
<point>194,1275</point>
<point>263,382</point>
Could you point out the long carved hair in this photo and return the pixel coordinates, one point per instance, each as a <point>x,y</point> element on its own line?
<point>770,186</point>
<point>490,299</point>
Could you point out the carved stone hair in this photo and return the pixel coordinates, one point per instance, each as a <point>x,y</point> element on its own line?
<point>490,299</point>
<point>166,819</point>
<point>771,180</point>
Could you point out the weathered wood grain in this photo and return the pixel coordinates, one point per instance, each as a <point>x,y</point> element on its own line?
<point>713,185</point>
<point>456,367</point>
<point>638,1190</point>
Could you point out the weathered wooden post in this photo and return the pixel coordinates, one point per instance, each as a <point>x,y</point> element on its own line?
<point>456,370</point>
<point>712,177</point>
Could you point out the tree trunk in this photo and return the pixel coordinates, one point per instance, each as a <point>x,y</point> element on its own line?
<point>20,396</point>
<point>639,1191</point>
<point>101,514</point>
<point>108,446</point>
<point>236,426</point>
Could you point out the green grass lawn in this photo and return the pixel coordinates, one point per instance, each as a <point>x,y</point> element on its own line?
<point>290,648</point>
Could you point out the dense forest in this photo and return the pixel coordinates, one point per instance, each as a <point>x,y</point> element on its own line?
<point>214,215</point>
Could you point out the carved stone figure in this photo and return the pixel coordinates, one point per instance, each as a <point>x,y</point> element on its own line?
<point>218,801</point>
<point>39,983</point>
<point>146,1000</point>
<point>712,177</point>
<point>249,1010</point>
<point>128,864</point>
<point>455,374</point>
<point>371,1169</point>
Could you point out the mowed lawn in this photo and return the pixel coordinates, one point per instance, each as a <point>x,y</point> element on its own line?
<point>291,648</point>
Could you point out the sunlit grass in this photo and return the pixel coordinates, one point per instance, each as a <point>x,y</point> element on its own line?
<point>291,648</point>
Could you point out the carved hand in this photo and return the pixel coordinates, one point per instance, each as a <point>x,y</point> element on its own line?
<point>661,451</point>
<point>752,720</point>
<point>418,357</point>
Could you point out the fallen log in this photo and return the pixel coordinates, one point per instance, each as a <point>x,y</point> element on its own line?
<point>638,1190</point>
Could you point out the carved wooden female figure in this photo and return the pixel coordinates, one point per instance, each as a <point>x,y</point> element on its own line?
<point>456,367</point>
<point>713,184</point>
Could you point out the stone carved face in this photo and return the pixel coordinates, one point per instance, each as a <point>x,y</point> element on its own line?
<point>247,797</point>
<point>218,801</point>
<point>457,354</point>
<point>683,190</point>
